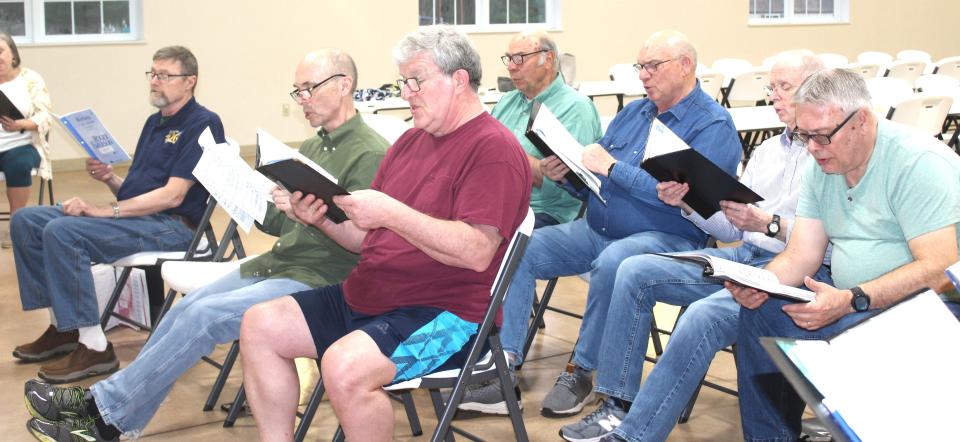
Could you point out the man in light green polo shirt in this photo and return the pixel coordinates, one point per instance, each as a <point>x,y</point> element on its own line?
<point>532,60</point>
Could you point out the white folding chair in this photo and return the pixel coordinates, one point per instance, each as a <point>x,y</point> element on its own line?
<point>936,84</point>
<point>747,89</point>
<point>923,111</point>
<point>568,67</point>
<point>914,55</point>
<point>711,82</point>
<point>831,60</point>
<point>907,70</point>
<point>388,126</point>
<point>623,72</point>
<point>731,67</point>
<point>887,91</point>
<point>866,70</point>
<point>948,66</point>
<point>605,122</point>
<point>875,57</point>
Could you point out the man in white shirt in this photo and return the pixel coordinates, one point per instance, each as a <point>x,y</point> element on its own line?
<point>649,412</point>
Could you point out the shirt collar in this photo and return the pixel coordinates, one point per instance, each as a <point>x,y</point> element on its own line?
<point>343,131</point>
<point>679,110</point>
<point>551,90</point>
<point>181,114</point>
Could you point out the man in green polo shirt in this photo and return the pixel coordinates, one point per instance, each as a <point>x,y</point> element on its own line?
<point>301,259</point>
<point>532,60</point>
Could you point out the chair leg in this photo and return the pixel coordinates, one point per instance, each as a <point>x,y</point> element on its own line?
<point>235,409</point>
<point>115,296</point>
<point>338,435</point>
<point>309,412</point>
<point>509,395</point>
<point>688,410</point>
<point>411,409</point>
<point>538,315</point>
<point>222,378</point>
<point>443,425</point>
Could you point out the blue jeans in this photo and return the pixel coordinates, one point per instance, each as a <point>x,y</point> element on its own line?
<point>53,253</point>
<point>570,249</point>
<point>194,326</point>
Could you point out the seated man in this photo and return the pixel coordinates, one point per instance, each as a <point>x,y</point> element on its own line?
<point>431,234</point>
<point>887,197</point>
<point>632,222</point>
<point>302,258</point>
<point>649,411</point>
<point>533,63</point>
<point>157,208</point>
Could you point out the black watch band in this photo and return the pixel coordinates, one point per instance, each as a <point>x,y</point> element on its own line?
<point>610,169</point>
<point>774,227</point>
<point>860,301</point>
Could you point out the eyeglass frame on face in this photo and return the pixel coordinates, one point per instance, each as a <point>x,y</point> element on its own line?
<point>651,66</point>
<point>782,87</point>
<point>163,77</point>
<point>307,92</point>
<point>817,138</point>
<point>414,86</point>
<point>508,58</point>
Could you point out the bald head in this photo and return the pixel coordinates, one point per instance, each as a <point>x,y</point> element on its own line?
<point>788,72</point>
<point>669,68</point>
<point>538,39</point>
<point>804,61</point>
<point>330,62</point>
<point>674,42</point>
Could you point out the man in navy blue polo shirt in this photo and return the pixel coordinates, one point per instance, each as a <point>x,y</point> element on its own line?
<point>157,207</point>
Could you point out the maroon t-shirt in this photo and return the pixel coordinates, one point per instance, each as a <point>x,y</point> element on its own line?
<point>477,174</point>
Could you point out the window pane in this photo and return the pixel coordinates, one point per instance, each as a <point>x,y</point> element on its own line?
<point>518,11</point>
<point>498,11</point>
<point>444,13</point>
<point>87,17</point>
<point>537,11</point>
<point>466,12</point>
<point>116,17</point>
<point>776,8</point>
<point>826,7</point>
<point>11,18</point>
<point>426,12</point>
<point>57,18</point>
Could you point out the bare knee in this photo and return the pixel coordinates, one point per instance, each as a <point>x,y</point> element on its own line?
<point>256,327</point>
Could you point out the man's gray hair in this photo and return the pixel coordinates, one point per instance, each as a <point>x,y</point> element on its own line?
<point>545,43</point>
<point>834,87</point>
<point>803,60</point>
<point>188,62</point>
<point>450,49</point>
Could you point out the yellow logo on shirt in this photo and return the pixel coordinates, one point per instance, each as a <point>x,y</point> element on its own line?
<point>172,137</point>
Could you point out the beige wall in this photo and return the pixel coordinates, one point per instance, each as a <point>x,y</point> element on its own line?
<point>247,51</point>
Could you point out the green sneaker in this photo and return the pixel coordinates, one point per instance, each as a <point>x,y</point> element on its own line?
<point>51,403</point>
<point>69,430</point>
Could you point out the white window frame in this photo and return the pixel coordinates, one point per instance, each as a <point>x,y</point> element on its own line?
<point>34,28</point>
<point>551,16</point>
<point>840,15</point>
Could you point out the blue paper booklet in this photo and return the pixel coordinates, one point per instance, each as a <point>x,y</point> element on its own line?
<point>91,134</point>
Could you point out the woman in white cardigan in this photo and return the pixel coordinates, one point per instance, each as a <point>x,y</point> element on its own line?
<point>23,142</point>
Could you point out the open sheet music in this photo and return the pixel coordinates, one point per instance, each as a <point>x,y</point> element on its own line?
<point>668,158</point>
<point>89,132</point>
<point>888,378</point>
<point>241,192</point>
<point>755,277</point>
<point>293,171</point>
<point>550,137</point>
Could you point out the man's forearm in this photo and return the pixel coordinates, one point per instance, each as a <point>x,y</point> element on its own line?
<point>346,234</point>
<point>791,267</point>
<point>897,284</point>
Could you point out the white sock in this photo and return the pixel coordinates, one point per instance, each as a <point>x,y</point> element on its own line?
<point>53,317</point>
<point>93,338</point>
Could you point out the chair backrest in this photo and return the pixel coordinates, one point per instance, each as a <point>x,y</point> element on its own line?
<point>747,88</point>
<point>937,84</point>
<point>388,126</point>
<point>886,92</point>
<point>568,67</point>
<point>907,70</point>
<point>914,55</point>
<point>711,82</point>
<point>768,62</point>
<point>948,66</point>
<point>831,60</point>
<point>866,70</point>
<point>926,112</point>
<point>731,67</point>
<point>605,122</point>
<point>875,57</point>
<point>623,72</point>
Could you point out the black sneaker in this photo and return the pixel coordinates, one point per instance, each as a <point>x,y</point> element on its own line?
<point>51,403</point>
<point>69,430</point>
<point>569,395</point>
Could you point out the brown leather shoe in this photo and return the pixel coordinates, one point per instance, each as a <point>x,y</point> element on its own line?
<point>82,363</point>
<point>50,344</point>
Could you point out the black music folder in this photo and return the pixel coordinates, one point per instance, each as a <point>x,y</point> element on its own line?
<point>295,175</point>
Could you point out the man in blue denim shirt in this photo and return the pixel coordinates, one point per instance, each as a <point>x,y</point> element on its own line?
<point>634,221</point>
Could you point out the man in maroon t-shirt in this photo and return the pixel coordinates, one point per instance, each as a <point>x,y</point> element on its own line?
<point>431,233</point>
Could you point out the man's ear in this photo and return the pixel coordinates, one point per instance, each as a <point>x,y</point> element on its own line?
<point>346,85</point>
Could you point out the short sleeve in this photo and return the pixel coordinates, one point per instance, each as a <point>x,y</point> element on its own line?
<point>808,204</point>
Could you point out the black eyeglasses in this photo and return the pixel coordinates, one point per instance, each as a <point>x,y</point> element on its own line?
<point>820,139</point>
<point>163,76</point>
<point>517,59</point>
<point>412,83</point>
<point>307,92</point>
<point>650,67</point>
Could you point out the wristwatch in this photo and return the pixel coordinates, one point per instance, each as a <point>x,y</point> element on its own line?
<point>116,209</point>
<point>774,227</point>
<point>610,170</point>
<point>860,301</point>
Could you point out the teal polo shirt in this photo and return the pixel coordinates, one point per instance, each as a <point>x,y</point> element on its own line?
<point>576,112</point>
<point>911,187</point>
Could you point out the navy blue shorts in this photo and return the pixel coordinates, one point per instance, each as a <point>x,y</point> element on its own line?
<point>17,163</point>
<point>418,340</point>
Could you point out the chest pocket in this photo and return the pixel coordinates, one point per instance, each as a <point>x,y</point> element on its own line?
<point>435,196</point>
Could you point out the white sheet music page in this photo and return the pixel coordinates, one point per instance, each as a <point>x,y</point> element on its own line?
<point>662,140</point>
<point>893,376</point>
<point>232,182</point>
<point>273,150</point>
<point>567,148</point>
